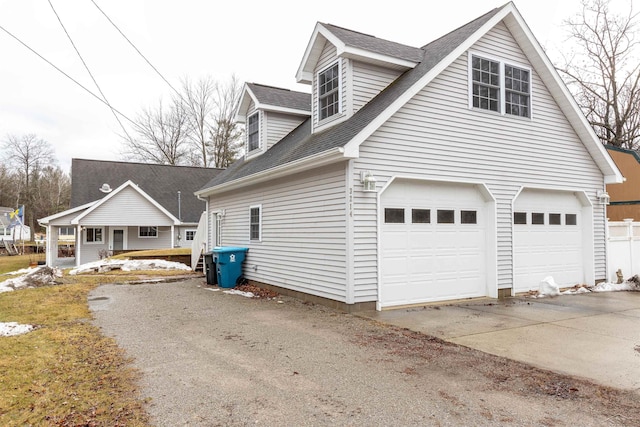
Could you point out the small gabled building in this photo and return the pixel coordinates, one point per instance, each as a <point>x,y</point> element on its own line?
<point>122,206</point>
<point>459,169</point>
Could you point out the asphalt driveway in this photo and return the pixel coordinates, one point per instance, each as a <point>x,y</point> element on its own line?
<point>208,358</point>
<point>594,335</point>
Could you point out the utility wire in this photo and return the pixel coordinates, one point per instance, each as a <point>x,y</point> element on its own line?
<point>65,74</point>
<point>89,71</point>
<point>137,50</point>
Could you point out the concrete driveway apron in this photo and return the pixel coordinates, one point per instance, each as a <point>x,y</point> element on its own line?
<point>594,336</point>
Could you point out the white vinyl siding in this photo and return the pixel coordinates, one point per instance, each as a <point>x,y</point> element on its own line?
<point>303,243</point>
<point>436,136</point>
<point>278,125</point>
<point>368,81</point>
<point>127,207</point>
<point>134,242</point>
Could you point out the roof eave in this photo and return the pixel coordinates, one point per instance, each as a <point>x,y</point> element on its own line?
<point>317,160</point>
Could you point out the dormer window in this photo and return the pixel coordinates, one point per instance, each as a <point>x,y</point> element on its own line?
<point>329,92</point>
<point>253,131</point>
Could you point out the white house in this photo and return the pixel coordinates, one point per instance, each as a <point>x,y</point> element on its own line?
<point>460,169</point>
<point>122,206</point>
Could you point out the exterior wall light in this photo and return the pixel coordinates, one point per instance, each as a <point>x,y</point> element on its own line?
<point>368,182</point>
<point>603,196</point>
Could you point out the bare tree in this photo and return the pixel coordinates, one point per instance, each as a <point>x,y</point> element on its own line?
<point>198,129</point>
<point>160,135</point>
<point>199,105</point>
<point>27,155</point>
<point>226,135</point>
<point>603,71</point>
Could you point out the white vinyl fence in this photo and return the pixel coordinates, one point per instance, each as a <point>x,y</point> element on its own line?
<point>624,249</point>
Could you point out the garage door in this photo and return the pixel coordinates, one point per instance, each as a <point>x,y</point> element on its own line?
<point>433,242</point>
<point>548,239</point>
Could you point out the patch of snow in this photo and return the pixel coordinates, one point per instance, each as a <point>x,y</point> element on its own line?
<point>548,287</point>
<point>106,265</point>
<point>242,293</point>
<point>8,329</point>
<point>31,278</point>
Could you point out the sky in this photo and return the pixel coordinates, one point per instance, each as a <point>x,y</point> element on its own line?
<point>257,41</point>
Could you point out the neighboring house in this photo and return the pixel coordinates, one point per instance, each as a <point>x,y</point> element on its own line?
<point>625,197</point>
<point>17,232</point>
<point>119,206</point>
<point>463,168</point>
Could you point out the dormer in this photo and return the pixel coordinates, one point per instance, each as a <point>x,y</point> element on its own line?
<point>269,114</point>
<point>346,69</point>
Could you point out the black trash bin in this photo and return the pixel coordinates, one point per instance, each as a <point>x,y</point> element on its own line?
<point>210,268</point>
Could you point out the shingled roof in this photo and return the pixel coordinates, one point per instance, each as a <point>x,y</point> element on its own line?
<point>375,45</point>
<point>161,182</point>
<point>300,143</point>
<point>278,97</point>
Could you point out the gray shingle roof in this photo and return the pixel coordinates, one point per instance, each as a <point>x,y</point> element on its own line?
<point>300,143</point>
<point>376,45</point>
<point>279,97</point>
<point>161,182</point>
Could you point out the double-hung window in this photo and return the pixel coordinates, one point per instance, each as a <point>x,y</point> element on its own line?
<point>516,91</point>
<point>255,223</point>
<point>253,131</point>
<point>329,92</point>
<point>500,87</point>
<point>486,83</point>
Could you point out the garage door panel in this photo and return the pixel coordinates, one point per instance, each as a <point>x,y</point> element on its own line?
<point>542,250</point>
<point>442,261</point>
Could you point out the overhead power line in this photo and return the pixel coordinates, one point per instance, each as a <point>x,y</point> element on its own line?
<point>89,71</point>
<point>65,74</point>
<point>136,49</point>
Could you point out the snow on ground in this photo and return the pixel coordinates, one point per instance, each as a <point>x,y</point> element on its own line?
<point>8,329</point>
<point>103,266</point>
<point>30,278</point>
<point>43,276</point>
<point>548,287</point>
<point>237,292</point>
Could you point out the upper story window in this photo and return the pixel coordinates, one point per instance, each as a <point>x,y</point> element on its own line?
<point>500,87</point>
<point>516,84</point>
<point>253,131</point>
<point>329,92</point>
<point>486,84</point>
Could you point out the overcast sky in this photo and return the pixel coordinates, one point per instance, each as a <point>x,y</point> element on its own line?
<point>258,41</point>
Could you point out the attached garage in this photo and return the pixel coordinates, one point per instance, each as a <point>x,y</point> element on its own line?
<point>552,236</point>
<point>435,242</point>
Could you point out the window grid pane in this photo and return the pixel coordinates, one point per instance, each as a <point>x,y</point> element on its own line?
<point>469,217</point>
<point>328,100</point>
<point>517,91</point>
<point>486,84</point>
<point>253,131</point>
<point>254,227</point>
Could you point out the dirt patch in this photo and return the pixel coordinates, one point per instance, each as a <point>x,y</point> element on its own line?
<point>257,291</point>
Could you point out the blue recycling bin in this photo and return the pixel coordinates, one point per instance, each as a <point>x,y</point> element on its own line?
<point>229,261</point>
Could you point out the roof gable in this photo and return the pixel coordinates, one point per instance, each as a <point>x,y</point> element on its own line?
<point>114,193</point>
<point>270,98</point>
<point>352,44</point>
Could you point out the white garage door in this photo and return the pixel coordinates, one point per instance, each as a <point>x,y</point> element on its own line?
<point>433,242</point>
<point>548,239</point>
